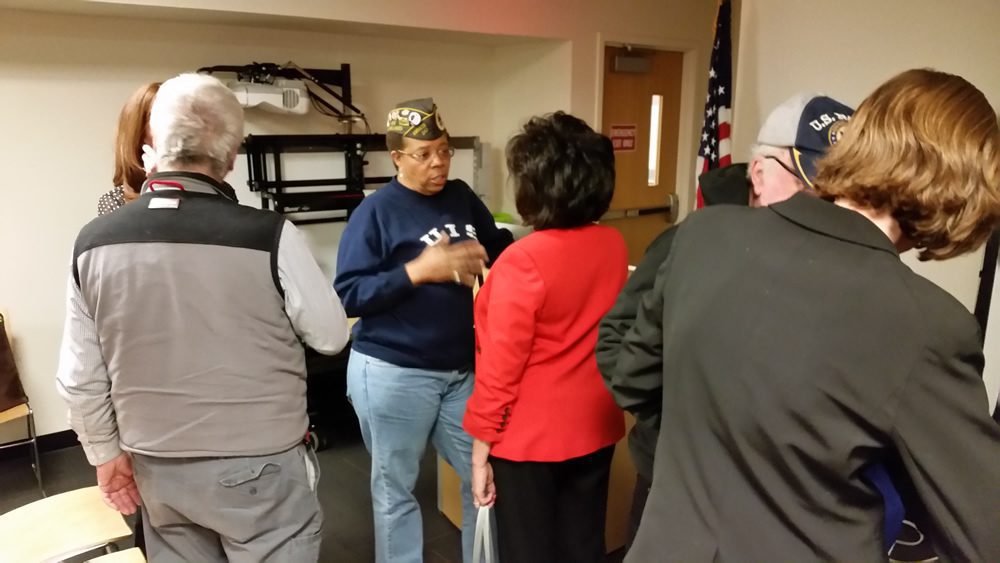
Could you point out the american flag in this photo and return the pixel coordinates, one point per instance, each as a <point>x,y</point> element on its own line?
<point>714,150</point>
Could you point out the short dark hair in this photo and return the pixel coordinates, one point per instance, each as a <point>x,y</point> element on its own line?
<point>563,172</point>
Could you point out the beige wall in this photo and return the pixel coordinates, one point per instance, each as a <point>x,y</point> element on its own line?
<point>582,27</point>
<point>640,21</point>
<point>846,48</point>
<point>528,80</point>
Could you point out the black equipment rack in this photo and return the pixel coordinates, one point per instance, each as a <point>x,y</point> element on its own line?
<point>265,174</point>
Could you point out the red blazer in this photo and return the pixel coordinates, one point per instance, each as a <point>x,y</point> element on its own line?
<point>538,395</point>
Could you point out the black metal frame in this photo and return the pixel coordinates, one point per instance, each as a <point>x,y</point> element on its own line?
<point>345,194</point>
<point>986,280</point>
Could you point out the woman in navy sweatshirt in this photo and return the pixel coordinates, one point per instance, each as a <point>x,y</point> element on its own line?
<point>407,261</point>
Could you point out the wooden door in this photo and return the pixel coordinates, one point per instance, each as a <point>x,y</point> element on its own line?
<point>644,186</point>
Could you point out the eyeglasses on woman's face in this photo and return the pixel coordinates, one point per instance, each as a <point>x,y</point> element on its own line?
<point>424,155</point>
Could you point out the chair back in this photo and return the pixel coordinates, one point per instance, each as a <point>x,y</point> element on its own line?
<point>60,527</point>
<point>11,391</point>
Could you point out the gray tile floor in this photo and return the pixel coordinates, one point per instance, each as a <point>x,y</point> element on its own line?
<point>343,493</point>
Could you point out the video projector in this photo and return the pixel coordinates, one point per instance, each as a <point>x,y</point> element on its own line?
<point>289,88</point>
<point>281,96</point>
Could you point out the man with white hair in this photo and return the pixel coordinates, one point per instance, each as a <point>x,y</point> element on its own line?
<point>181,356</point>
<point>782,163</point>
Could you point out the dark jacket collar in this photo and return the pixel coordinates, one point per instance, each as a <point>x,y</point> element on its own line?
<point>191,182</point>
<point>832,220</point>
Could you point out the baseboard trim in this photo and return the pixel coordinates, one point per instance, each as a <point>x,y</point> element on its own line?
<point>46,443</point>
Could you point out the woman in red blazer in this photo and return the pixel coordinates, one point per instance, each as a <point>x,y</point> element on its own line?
<point>544,424</point>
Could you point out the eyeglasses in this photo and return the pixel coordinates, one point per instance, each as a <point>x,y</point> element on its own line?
<point>424,156</point>
<point>785,166</point>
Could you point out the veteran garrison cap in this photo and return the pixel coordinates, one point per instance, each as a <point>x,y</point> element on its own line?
<point>417,119</point>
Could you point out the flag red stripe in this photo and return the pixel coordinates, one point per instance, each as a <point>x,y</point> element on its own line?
<point>713,143</point>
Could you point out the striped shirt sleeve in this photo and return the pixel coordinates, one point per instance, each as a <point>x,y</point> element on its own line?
<point>83,382</point>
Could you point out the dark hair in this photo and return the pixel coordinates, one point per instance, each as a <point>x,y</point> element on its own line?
<point>563,172</point>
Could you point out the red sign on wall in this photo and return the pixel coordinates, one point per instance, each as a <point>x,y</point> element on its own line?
<point>623,137</point>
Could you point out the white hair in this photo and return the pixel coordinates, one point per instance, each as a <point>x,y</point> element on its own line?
<point>196,119</point>
<point>763,150</point>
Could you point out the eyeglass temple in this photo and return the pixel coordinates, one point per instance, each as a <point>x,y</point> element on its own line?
<point>782,164</point>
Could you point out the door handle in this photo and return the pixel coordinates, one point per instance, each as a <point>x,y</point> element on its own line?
<point>672,209</point>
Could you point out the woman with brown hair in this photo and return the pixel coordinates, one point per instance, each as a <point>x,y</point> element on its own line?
<point>923,164</point>
<point>133,133</point>
<point>787,349</point>
<point>129,175</point>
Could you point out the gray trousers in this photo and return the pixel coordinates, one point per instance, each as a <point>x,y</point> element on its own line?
<point>244,509</point>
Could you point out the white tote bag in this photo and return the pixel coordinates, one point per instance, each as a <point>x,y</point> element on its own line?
<point>484,549</point>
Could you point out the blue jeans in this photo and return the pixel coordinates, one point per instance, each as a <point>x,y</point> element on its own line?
<point>400,410</point>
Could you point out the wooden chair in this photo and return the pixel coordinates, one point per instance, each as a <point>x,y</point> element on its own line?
<point>132,555</point>
<point>60,526</point>
<point>14,403</point>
